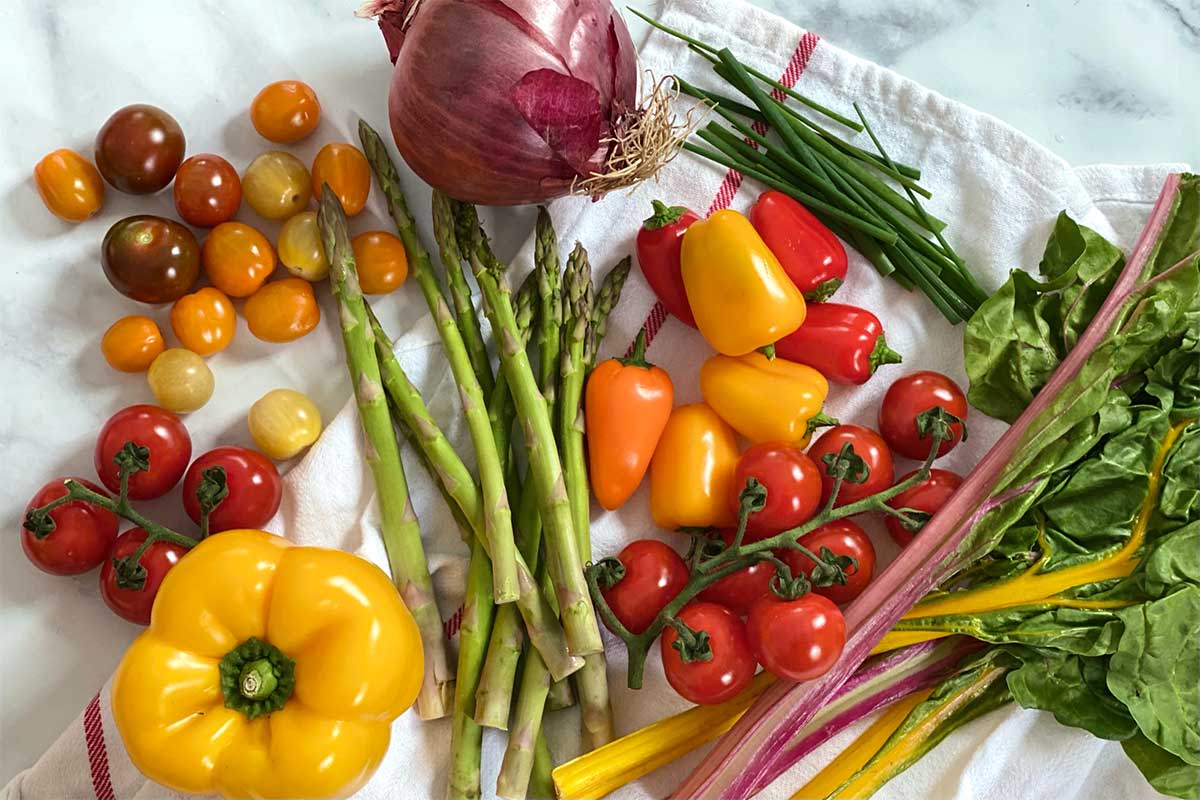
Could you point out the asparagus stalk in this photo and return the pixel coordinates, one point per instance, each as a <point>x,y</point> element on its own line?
<point>497,514</point>
<point>566,568</point>
<point>468,324</point>
<point>561,694</point>
<point>606,301</point>
<point>517,766</point>
<point>541,782</point>
<point>398,522</point>
<point>466,737</point>
<point>545,258</point>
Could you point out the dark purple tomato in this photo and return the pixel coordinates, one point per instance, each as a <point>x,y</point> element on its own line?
<point>139,148</point>
<point>151,259</point>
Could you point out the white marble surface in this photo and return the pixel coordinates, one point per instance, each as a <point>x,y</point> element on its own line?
<point>1103,80</point>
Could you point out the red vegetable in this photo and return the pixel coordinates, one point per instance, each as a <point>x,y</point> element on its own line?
<point>730,665</point>
<point>843,343</point>
<point>906,399</point>
<point>658,244</point>
<point>255,488</point>
<point>135,604</point>
<point>869,446</point>
<point>844,538</point>
<point>147,426</point>
<point>927,497</point>
<point>738,591</point>
<point>812,256</point>
<point>793,485</point>
<point>82,535</point>
<point>797,639</point>
<point>654,575</point>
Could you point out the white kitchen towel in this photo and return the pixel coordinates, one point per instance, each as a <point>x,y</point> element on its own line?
<point>999,190</point>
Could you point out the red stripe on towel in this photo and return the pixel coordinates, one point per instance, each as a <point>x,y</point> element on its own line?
<point>93,734</point>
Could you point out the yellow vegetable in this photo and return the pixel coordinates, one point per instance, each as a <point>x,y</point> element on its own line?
<point>283,422</point>
<point>765,399</point>
<point>180,380</point>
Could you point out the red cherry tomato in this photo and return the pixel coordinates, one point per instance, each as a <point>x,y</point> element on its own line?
<point>844,538</point>
<point>720,677</point>
<point>796,639</point>
<point>255,489</point>
<point>207,190</point>
<point>793,485</point>
<point>82,536</point>
<point>910,396</point>
<point>135,604</point>
<point>738,591</point>
<point>869,446</point>
<point>654,575</point>
<point>928,496</point>
<point>149,426</point>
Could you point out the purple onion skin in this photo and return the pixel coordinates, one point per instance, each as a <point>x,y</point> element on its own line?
<point>465,71</point>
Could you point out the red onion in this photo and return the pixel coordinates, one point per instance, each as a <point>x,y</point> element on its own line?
<point>505,102</point>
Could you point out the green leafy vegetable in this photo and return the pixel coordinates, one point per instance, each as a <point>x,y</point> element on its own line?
<point>1166,772</point>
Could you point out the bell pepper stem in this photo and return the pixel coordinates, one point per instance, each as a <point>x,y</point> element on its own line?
<point>663,215</point>
<point>881,354</point>
<point>257,678</point>
<point>637,357</point>
<point>819,420</point>
<point>823,290</point>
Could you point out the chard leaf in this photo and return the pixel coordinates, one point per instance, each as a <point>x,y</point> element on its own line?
<point>1165,771</point>
<point>1173,561</point>
<point>1072,688</point>
<point>1180,501</point>
<point>1083,631</point>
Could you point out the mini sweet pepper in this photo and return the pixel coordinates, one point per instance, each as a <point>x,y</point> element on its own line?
<point>692,471</point>
<point>268,670</point>
<point>766,399</point>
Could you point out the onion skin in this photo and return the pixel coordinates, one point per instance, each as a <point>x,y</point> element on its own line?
<point>456,110</point>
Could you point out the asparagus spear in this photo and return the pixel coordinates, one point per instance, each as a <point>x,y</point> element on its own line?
<point>541,782</point>
<point>517,766</point>
<point>606,301</point>
<point>497,514</point>
<point>398,522</point>
<point>545,258</point>
<point>466,737</point>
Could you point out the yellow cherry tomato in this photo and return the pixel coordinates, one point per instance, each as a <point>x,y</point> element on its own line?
<point>282,310</point>
<point>131,344</point>
<point>285,111</point>
<point>300,247</point>
<point>380,260</point>
<point>345,169</point>
<point>283,422</point>
<point>276,185</point>
<point>204,321</point>
<point>237,258</point>
<point>69,184</point>
<point>180,380</point>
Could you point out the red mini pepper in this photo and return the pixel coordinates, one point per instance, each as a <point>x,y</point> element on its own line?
<point>810,254</point>
<point>843,343</point>
<point>658,243</point>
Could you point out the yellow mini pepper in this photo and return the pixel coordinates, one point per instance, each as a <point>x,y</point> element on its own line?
<point>691,475</point>
<point>740,295</point>
<point>268,670</point>
<point>765,400</point>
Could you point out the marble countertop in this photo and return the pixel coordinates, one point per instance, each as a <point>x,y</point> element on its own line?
<point>1096,81</point>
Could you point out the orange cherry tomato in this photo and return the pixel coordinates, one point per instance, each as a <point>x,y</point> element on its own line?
<point>285,111</point>
<point>237,258</point>
<point>131,344</point>
<point>204,321</point>
<point>381,261</point>
<point>282,310</point>
<point>207,190</point>
<point>70,185</point>
<point>345,169</point>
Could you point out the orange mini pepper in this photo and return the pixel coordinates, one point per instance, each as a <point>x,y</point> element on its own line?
<point>691,475</point>
<point>764,399</point>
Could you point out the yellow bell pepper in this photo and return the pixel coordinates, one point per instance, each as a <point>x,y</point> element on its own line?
<point>739,293</point>
<point>268,670</point>
<point>691,474</point>
<point>765,400</point>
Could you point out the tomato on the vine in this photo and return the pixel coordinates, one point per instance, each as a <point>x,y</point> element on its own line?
<point>844,538</point>
<point>796,639</point>
<point>82,536</point>
<point>908,398</point>
<point>926,497</point>
<point>135,604</point>
<point>793,486</point>
<point>869,446</point>
<point>738,591</point>
<point>254,485</point>
<point>730,667</point>
<point>151,427</point>
<point>654,575</point>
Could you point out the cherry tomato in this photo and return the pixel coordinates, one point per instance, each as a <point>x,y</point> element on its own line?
<point>69,185</point>
<point>82,536</point>
<point>131,344</point>
<point>927,496</point>
<point>154,428</point>
<point>301,249</point>
<point>255,489</point>
<point>204,321</point>
<point>869,446</point>
<point>345,169</point>
<point>139,149</point>
<point>725,674</point>
<point>912,395</point>
<point>844,538</point>
<point>285,111</point>
<point>793,485</point>
<point>797,640</point>
<point>282,310</point>
<point>277,185</point>
<point>381,261</point>
<point>283,422</point>
<point>207,190</point>
<point>237,258</point>
<point>150,259</point>
<point>180,380</point>
<point>135,604</point>
<point>654,575</point>
<point>738,591</point>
